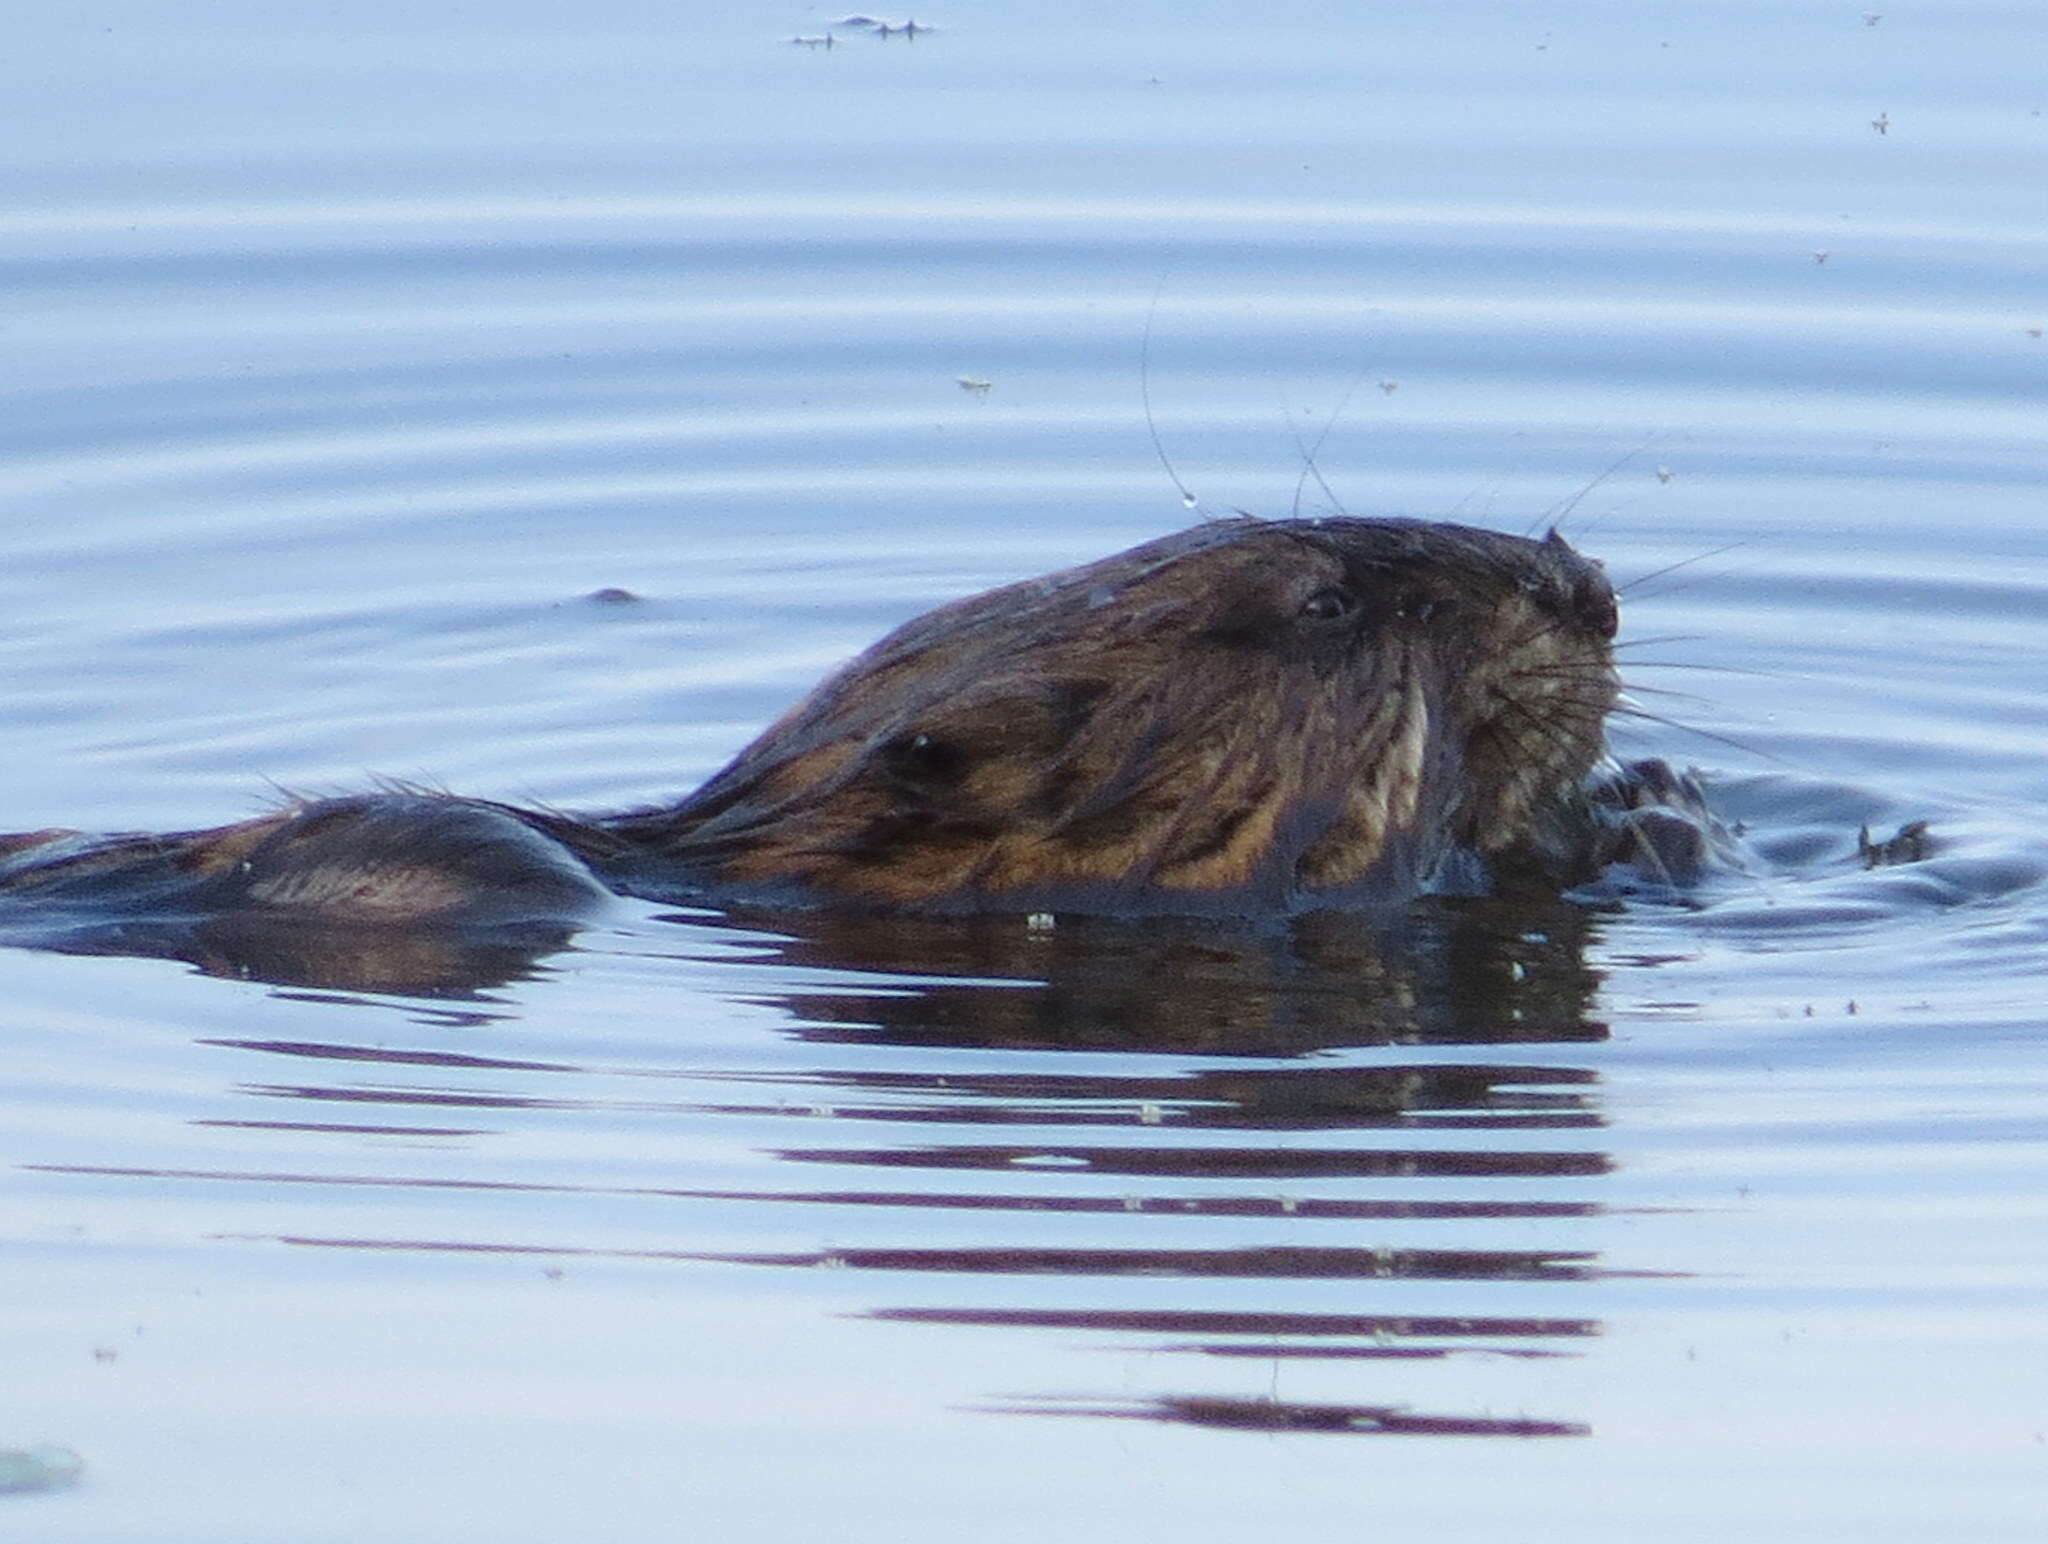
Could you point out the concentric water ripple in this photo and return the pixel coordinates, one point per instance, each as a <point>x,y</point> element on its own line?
<point>536,405</point>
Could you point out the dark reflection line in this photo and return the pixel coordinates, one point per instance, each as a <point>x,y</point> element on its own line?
<point>1273,1353</point>
<point>338,1128</point>
<point>1308,1093</point>
<point>1223,1162</point>
<point>1182,1206</point>
<point>348,969</point>
<point>1190,1206</point>
<point>421,1096</point>
<point>323,1051</point>
<point>1152,1205</point>
<point>1273,1415</point>
<point>1453,1097</point>
<point>1176,1321</point>
<point>1456,1095</point>
<point>1274,1263</point>
<point>1167,1085</point>
<point>1279,1263</point>
<point>1162,1115</point>
<point>1157,1117</point>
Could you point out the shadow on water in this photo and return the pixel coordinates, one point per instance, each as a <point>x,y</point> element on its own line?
<point>1463,972</point>
<point>284,950</point>
<point>1282,1081</point>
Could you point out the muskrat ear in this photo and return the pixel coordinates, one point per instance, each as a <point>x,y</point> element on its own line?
<point>1593,605</point>
<point>1589,598</point>
<point>923,759</point>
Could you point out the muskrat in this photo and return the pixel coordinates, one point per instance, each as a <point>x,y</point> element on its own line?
<point>1249,717</point>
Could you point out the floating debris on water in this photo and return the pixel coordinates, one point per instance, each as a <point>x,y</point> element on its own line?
<point>882,27</point>
<point>24,1471</point>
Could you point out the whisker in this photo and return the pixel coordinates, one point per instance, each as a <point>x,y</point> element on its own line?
<point>1746,672</point>
<point>1559,513</point>
<point>1187,497</point>
<point>1632,689</point>
<point>1637,643</point>
<point>1625,711</point>
<point>1633,587</point>
<point>1310,467</point>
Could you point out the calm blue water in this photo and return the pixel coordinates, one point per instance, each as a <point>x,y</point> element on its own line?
<point>348,353</point>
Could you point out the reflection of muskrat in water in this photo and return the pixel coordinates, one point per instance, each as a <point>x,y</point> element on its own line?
<point>1247,717</point>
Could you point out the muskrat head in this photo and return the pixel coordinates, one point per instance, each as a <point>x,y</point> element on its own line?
<point>1247,716</point>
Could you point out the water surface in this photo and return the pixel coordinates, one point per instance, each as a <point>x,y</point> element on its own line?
<point>349,357</point>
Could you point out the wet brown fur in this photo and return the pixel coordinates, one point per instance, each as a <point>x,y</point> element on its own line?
<point>1244,717</point>
<point>1247,714</point>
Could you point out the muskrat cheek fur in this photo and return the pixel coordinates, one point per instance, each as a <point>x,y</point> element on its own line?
<point>1246,718</point>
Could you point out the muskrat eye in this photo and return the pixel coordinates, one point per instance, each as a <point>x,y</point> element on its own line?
<point>1335,604</point>
<point>923,758</point>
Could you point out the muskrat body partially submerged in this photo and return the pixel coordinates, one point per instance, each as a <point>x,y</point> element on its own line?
<point>1249,717</point>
